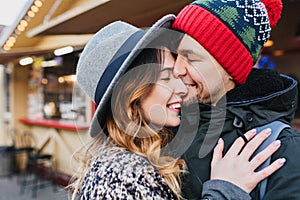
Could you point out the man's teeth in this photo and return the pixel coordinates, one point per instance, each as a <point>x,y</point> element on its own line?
<point>175,105</point>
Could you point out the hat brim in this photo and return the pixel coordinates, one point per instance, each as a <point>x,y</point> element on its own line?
<point>100,114</point>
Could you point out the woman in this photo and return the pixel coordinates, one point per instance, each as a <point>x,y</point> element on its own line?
<point>124,160</point>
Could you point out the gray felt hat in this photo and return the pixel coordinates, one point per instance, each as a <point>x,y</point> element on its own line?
<point>107,56</point>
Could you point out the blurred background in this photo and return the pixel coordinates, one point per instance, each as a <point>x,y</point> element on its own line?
<point>42,110</point>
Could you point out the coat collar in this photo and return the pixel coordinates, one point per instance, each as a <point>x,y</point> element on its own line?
<point>265,97</point>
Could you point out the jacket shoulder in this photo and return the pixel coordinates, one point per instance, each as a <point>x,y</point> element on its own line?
<point>124,175</point>
<point>284,183</point>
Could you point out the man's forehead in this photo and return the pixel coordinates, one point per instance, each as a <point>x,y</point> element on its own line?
<point>188,45</point>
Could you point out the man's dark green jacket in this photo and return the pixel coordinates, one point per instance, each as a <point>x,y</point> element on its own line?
<point>265,97</point>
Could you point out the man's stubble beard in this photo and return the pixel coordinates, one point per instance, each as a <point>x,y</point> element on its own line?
<point>211,98</point>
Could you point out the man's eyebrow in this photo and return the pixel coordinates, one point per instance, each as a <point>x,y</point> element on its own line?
<point>186,51</point>
<point>190,52</point>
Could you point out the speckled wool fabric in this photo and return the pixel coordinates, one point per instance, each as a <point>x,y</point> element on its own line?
<point>123,175</point>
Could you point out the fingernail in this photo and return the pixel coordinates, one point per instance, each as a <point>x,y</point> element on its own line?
<point>268,131</point>
<point>277,142</point>
<point>220,140</point>
<point>253,131</point>
<point>282,161</point>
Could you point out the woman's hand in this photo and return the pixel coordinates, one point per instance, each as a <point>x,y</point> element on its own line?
<point>236,166</point>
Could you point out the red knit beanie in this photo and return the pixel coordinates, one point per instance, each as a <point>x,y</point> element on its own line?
<point>232,31</point>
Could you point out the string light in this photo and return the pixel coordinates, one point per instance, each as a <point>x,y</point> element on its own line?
<point>6,48</point>
<point>17,32</point>
<point>12,39</point>
<point>35,7</point>
<point>38,3</point>
<point>24,23</point>
<point>31,14</point>
<point>9,43</point>
<point>20,28</point>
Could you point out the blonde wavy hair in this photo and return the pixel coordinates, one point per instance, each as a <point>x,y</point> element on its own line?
<point>127,127</point>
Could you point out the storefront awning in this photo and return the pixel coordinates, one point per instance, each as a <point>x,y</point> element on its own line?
<point>91,16</point>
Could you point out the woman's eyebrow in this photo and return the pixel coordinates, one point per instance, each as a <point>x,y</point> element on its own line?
<point>167,69</point>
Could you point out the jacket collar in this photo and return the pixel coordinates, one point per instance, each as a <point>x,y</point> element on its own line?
<point>261,84</point>
<point>266,96</point>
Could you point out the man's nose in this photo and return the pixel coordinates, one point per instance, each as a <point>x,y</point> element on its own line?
<point>179,67</point>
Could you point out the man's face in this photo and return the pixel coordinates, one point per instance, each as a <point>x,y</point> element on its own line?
<point>200,71</point>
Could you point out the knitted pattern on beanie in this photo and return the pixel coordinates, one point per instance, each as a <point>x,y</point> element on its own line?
<point>232,31</point>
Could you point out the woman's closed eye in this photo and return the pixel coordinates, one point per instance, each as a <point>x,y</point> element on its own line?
<point>165,74</point>
<point>165,79</point>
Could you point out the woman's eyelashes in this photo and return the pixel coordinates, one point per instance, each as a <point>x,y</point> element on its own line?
<point>165,74</point>
<point>165,79</point>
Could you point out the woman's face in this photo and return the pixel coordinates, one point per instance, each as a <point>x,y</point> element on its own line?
<point>162,106</point>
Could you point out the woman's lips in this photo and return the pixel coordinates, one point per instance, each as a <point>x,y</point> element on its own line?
<point>174,107</point>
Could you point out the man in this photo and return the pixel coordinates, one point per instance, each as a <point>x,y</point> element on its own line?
<point>223,41</point>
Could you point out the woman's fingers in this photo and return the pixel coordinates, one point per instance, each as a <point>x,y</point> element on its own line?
<point>254,143</point>
<point>239,143</point>
<point>235,166</point>
<point>265,154</point>
<point>218,152</point>
<point>250,134</point>
<point>267,171</point>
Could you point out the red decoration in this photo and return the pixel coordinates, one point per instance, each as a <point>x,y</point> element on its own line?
<point>274,8</point>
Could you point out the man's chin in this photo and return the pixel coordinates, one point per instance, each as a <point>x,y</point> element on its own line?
<point>190,100</point>
<point>192,96</point>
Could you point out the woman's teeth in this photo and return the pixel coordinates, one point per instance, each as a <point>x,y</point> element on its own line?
<point>174,106</point>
